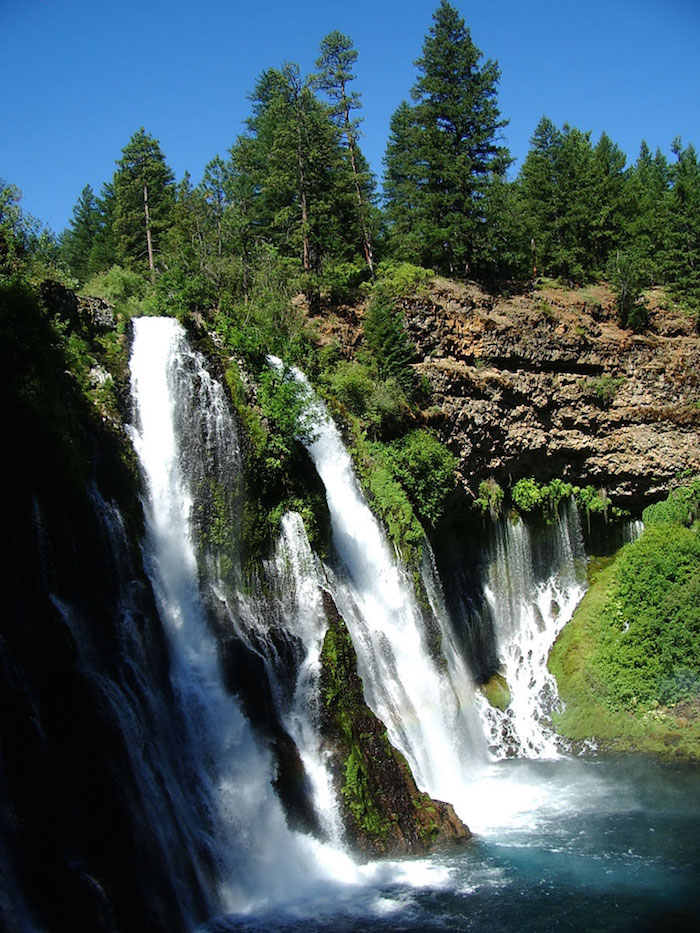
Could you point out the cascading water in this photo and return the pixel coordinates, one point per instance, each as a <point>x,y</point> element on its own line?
<point>258,858</point>
<point>296,576</point>
<point>529,608</point>
<point>428,716</point>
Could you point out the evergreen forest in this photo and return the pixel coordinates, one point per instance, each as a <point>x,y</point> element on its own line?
<point>293,202</point>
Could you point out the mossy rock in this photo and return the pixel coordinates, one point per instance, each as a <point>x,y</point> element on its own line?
<point>383,811</point>
<point>497,692</point>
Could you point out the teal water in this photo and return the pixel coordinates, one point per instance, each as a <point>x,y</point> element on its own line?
<point>596,844</point>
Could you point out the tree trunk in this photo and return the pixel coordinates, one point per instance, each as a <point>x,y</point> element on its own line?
<point>151,265</point>
<point>366,242</point>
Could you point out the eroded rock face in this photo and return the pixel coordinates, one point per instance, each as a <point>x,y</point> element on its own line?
<point>547,384</point>
<point>383,811</point>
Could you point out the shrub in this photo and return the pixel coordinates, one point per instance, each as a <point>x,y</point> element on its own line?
<point>426,470</point>
<point>526,494</point>
<point>390,349</point>
<point>402,278</point>
<point>352,384</point>
<point>650,649</point>
<point>682,506</point>
<point>490,497</point>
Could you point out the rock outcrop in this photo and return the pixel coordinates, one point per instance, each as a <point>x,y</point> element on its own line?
<point>548,384</point>
<point>383,811</point>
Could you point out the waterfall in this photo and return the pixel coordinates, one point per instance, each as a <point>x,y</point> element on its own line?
<point>181,423</point>
<point>531,594</point>
<point>292,612</point>
<point>426,705</point>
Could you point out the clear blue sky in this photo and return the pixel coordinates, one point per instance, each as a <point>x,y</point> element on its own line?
<point>79,77</point>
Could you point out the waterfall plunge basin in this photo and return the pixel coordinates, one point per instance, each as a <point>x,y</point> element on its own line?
<point>605,843</point>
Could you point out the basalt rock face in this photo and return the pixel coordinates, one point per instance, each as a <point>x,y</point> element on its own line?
<point>548,384</point>
<point>383,811</point>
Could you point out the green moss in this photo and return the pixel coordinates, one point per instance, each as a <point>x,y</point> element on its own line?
<point>358,797</point>
<point>497,691</point>
<point>584,686</point>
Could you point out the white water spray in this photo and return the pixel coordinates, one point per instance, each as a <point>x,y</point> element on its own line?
<point>259,859</point>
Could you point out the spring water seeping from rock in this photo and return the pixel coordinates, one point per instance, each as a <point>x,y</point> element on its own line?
<point>532,591</point>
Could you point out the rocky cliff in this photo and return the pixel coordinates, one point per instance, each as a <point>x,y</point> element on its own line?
<point>547,384</point>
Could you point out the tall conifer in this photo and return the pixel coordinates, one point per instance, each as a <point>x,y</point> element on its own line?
<point>456,148</point>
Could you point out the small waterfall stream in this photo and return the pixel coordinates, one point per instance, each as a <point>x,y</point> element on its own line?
<point>428,707</point>
<point>529,608</point>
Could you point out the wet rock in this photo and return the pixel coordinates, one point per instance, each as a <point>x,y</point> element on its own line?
<point>383,811</point>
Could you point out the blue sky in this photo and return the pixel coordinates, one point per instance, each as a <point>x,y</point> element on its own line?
<point>80,76</point>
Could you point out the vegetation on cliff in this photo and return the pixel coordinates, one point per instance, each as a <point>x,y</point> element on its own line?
<point>628,664</point>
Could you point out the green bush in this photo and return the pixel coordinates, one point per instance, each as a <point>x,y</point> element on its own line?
<point>426,470</point>
<point>352,384</point>
<point>390,350</point>
<point>526,495</point>
<point>649,651</point>
<point>682,506</point>
<point>490,497</point>
<point>402,278</point>
<point>605,388</point>
<point>118,286</point>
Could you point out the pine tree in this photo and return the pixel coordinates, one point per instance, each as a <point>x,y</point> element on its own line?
<point>77,242</point>
<point>457,153</point>
<point>537,186</point>
<point>402,184</point>
<point>611,206</point>
<point>144,197</point>
<point>682,253</point>
<point>303,187</point>
<point>647,186</point>
<point>103,252</point>
<point>335,65</point>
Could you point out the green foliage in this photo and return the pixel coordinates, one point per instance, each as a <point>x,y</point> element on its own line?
<point>386,340</point>
<point>526,495</point>
<point>605,388</point>
<point>583,689</point>
<point>397,279</point>
<point>627,282</point>
<point>681,507</point>
<point>574,201</point>
<point>284,403</point>
<point>490,497</point>
<point>444,152</point>
<point>78,241</point>
<point>633,647</point>
<point>143,201</point>
<point>352,384</point>
<point>650,646</point>
<point>124,288</point>
<point>335,64</point>
<point>426,470</point>
<point>343,280</point>
<point>375,466</point>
